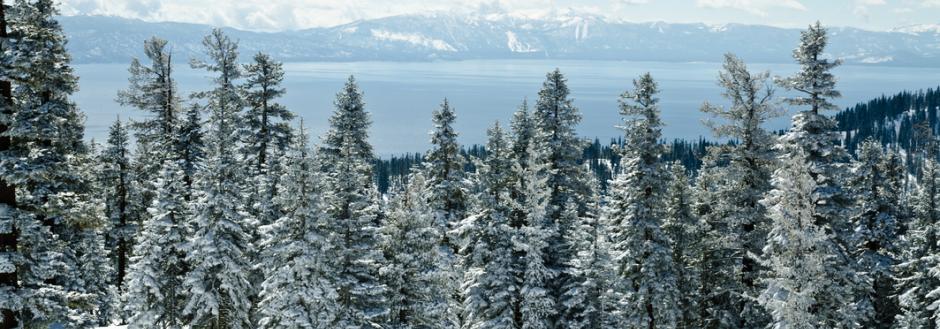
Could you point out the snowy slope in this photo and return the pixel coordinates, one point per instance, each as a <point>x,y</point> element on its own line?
<point>497,35</point>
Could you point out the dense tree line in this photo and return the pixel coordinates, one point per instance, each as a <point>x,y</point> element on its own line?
<point>223,215</point>
<point>603,160</point>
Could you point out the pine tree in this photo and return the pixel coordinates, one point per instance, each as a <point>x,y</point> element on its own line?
<point>447,197</point>
<point>296,251</point>
<point>557,149</point>
<point>814,79</point>
<point>875,187</point>
<point>712,187</point>
<point>217,285</point>
<point>116,179</point>
<point>154,294</point>
<point>444,167</point>
<point>417,281</point>
<point>686,234</point>
<point>743,227</point>
<point>350,114</point>
<point>813,135</point>
<point>490,279</point>
<point>265,132</point>
<point>152,89</point>
<point>643,256</point>
<point>799,254</point>
<point>351,206</point>
<point>522,132</point>
<point>45,133</point>
<point>537,306</point>
<point>919,247</point>
<point>601,290</point>
<point>266,122</point>
<point>91,293</point>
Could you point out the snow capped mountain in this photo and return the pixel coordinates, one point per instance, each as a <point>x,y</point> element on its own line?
<point>918,29</point>
<point>491,33</point>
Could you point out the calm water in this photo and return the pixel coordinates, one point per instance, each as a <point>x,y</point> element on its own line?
<point>401,96</point>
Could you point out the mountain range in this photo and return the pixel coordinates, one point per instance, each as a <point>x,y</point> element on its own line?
<point>568,35</point>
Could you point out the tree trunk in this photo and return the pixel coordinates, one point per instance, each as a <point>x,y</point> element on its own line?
<point>7,193</point>
<point>123,248</point>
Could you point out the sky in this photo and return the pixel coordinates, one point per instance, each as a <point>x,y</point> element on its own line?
<point>277,15</point>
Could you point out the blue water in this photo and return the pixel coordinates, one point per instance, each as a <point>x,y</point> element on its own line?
<point>401,96</point>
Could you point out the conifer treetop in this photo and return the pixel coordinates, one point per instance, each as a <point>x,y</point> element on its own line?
<point>814,79</point>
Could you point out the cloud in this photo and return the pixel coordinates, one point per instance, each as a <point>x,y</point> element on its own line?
<point>273,16</point>
<point>861,7</point>
<point>930,3</point>
<point>755,7</point>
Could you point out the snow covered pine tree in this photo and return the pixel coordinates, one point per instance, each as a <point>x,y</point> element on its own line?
<point>641,250</point>
<point>217,286</point>
<point>838,303</point>
<point>351,203</point>
<point>741,227</point>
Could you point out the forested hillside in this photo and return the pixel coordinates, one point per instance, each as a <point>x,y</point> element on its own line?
<point>215,209</point>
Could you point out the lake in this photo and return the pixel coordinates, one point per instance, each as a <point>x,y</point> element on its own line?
<point>401,96</point>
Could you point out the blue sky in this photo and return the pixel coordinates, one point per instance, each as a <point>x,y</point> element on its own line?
<point>272,15</point>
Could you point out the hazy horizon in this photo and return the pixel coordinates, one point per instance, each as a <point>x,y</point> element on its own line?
<point>281,15</point>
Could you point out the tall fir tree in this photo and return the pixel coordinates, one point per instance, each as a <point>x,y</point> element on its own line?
<point>45,133</point>
<point>557,149</point>
<point>875,185</point>
<point>537,307</point>
<point>351,203</point>
<point>712,187</point>
<point>741,231</point>
<point>154,297</point>
<point>296,251</point>
<point>418,283</point>
<point>116,176</point>
<point>601,289</point>
<point>444,167</point>
<point>217,286</point>
<point>522,132</point>
<point>490,279</point>
<point>92,295</point>
<point>447,197</point>
<point>642,253</point>
<point>265,133</point>
<point>152,90</point>
<point>812,135</point>
<point>686,234</point>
